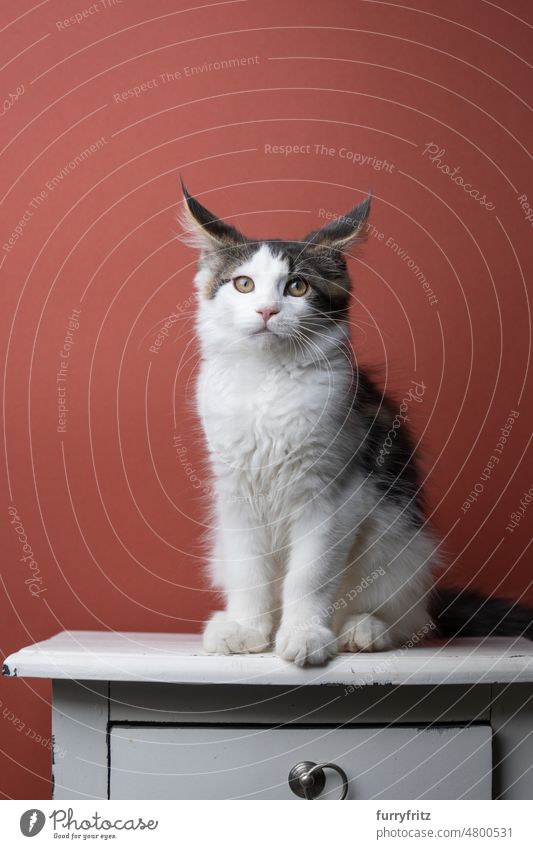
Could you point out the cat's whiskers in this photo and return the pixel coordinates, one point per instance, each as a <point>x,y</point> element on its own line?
<point>322,355</point>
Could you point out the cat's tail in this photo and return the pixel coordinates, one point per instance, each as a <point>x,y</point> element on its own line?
<point>461,613</point>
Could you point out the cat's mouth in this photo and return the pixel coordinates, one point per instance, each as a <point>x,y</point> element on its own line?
<point>263,331</point>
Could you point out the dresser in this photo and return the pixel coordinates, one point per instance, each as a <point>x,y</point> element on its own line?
<point>151,716</point>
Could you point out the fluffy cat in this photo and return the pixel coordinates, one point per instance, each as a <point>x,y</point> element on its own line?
<point>319,538</point>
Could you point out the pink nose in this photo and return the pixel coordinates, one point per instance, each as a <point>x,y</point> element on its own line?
<point>267,312</point>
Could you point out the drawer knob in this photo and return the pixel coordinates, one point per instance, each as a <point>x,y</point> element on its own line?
<point>307,779</point>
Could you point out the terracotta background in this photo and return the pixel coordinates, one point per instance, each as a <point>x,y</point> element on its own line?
<point>112,506</point>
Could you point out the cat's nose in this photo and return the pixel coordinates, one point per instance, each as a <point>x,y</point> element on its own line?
<point>267,312</point>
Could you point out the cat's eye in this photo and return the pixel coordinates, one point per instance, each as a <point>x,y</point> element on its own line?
<point>244,284</point>
<point>298,287</point>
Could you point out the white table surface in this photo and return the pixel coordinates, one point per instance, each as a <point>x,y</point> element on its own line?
<point>179,658</point>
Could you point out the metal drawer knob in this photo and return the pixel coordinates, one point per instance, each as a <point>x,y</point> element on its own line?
<point>307,779</point>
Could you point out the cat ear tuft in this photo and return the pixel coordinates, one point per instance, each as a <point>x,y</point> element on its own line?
<point>204,230</point>
<point>344,231</point>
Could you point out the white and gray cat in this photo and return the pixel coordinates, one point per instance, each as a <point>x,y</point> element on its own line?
<point>319,538</point>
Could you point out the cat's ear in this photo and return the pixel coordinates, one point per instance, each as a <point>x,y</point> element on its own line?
<point>344,231</point>
<point>204,230</point>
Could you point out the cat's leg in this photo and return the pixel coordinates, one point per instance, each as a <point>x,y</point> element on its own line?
<point>388,586</point>
<point>320,543</point>
<point>242,567</point>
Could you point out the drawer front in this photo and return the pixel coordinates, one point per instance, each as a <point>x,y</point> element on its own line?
<point>221,762</point>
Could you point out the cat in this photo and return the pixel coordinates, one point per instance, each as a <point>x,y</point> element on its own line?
<point>319,539</point>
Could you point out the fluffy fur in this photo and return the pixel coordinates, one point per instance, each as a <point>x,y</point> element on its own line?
<point>319,540</point>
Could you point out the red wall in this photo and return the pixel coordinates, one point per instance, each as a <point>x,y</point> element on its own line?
<point>111,509</point>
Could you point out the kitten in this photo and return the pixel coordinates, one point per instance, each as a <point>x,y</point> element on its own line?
<point>319,540</point>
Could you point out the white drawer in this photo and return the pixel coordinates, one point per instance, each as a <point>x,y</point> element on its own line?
<point>227,762</point>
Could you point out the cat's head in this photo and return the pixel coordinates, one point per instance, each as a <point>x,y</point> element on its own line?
<point>265,292</point>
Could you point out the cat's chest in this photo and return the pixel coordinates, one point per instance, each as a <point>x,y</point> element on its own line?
<point>261,418</point>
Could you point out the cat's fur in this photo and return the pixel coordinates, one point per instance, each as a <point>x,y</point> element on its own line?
<point>319,539</point>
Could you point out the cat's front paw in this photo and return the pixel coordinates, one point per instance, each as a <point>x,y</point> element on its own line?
<point>223,636</point>
<point>306,645</point>
<point>366,632</point>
